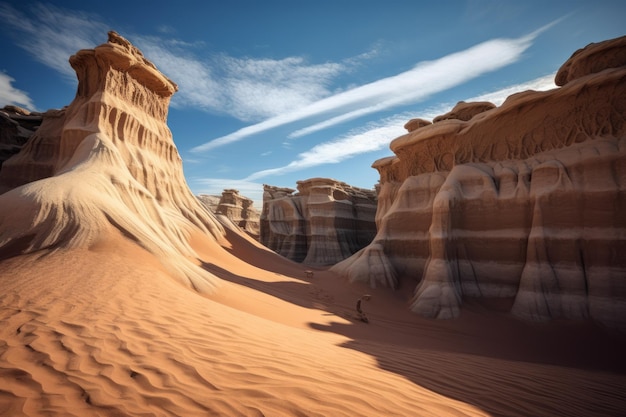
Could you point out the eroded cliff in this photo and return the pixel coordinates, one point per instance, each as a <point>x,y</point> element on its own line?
<point>523,202</point>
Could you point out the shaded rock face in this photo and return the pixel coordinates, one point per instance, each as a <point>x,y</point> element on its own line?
<point>17,125</point>
<point>524,202</point>
<point>106,164</point>
<point>324,223</point>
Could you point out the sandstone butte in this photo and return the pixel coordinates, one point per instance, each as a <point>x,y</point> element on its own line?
<point>325,222</point>
<point>525,202</point>
<point>122,295</point>
<point>233,208</point>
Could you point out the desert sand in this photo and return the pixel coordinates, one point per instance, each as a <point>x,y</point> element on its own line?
<point>107,332</point>
<point>120,295</point>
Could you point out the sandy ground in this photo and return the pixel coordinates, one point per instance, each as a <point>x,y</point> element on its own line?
<point>106,332</point>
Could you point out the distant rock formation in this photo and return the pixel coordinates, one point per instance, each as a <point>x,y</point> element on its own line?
<point>210,201</point>
<point>324,223</point>
<point>237,208</point>
<point>523,202</point>
<point>105,165</point>
<point>17,125</point>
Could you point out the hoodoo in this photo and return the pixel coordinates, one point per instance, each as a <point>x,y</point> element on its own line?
<point>106,164</point>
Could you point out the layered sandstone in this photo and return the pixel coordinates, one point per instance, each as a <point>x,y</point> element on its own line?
<point>240,210</point>
<point>524,202</point>
<point>234,208</point>
<point>324,223</point>
<point>106,165</point>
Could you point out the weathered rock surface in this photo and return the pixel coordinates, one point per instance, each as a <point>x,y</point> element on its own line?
<point>106,164</point>
<point>17,125</point>
<point>324,223</point>
<point>240,210</point>
<point>235,208</point>
<point>210,201</point>
<point>465,111</point>
<point>415,124</point>
<point>524,202</point>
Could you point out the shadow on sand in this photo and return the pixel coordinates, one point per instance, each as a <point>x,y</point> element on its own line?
<point>485,358</point>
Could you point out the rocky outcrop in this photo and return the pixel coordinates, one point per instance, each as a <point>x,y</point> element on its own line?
<point>465,111</point>
<point>105,165</point>
<point>236,209</point>
<point>240,211</point>
<point>324,223</point>
<point>210,201</point>
<point>523,202</point>
<point>17,125</point>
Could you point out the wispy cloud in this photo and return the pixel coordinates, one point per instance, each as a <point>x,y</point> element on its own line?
<point>538,84</point>
<point>412,86</point>
<point>372,137</point>
<point>12,95</point>
<point>245,88</point>
<point>377,135</point>
<point>249,89</point>
<point>51,35</point>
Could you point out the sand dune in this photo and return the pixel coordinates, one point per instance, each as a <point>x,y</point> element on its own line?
<point>107,332</point>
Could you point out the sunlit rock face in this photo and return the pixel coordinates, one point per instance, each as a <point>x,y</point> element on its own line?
<point>236,209</point>
<point>523,202</point>
<point>240,211</point>
<point>106,164</point>
<point>324,223</point>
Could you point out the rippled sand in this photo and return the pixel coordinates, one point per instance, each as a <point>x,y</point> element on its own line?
<point>106,332</point>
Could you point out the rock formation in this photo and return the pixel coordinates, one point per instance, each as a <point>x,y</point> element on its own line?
<point>523,202</point>
<point>17,125</point>
<point>240,211</point>
<point>106,164</point>
<point>324,223</point>
<point>210,201</point>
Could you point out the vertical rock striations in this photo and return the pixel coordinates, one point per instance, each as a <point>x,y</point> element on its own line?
<point>326,222</point>
<point>106,164</point>
<point>525,201</point>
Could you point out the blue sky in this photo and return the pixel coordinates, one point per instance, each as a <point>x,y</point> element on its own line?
<point>272,92</point>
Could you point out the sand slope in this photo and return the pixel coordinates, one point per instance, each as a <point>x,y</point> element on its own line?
<point>106,332</point>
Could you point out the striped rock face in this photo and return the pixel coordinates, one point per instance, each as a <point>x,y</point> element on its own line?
<point>523,202</point>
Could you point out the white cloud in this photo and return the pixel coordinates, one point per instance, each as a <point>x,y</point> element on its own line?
<point>412,86</point>
<point>538,84</point>
<point>373,137</point>
<point>12,95</point>
<point>246,88</point>
<point>376,135</point>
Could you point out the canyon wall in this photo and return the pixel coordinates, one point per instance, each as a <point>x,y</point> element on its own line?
<point>524,202</point>
<point>324,223</point>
